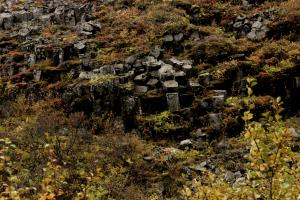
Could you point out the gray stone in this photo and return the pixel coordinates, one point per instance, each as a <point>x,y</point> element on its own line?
<point>194,36</point>
<point>241,17</point>
<point>260,35</point>
<point>220,92</point>
<point>156,52</point>
<point>141,78</point>
<point>80,45</point>
<point>257,25</point>
<point>87,27</point>
<point>175,62</point>
<point>96,25</point>
<point>185,143</point>
<point>215,120</point>
<point>152,63</point>
<point>238,24</point>
<point>218,101</point>
<point>178,37</point>
<point>194,84</point>
<point>46,19</point>
<point>6,21</point>
<point>198,134</point>
<point>152,83</point>
<point>296,82</point>
<point>166,72</point>
<point>59,15</point>
<point>180,77</point>
<point>148,158</point>
<point>24,32</point>
<point>204,78</point>
<point>86,75</point>
<point>86,33</point>
<point>31,59</point>
<point>37,75</point>
<point>139,89</point>
<point>170,85</point>
<point>70,18</point>
<point>130,60</point>
<point>187,68</point>
<point>106,69</point>
<point>37,13</point>
<point>251,35</point>
<point>168,38</point>
<point>22,16</point>
<point>229,176</point>
<point>119,68</point>
<point>173,101</point>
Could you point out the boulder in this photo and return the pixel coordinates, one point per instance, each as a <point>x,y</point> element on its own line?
<point>152,83</point>
<point>141,78</point>
<point>185,143</point>
<point>166,72</point>
<point>6,21</point>
<point>170,85</point>
<point>140,89</point>
<point>173,101</point>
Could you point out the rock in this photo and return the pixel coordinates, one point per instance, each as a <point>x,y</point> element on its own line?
<point>194,36</point>
<point>141,78</point>
<point>47,19</point>
<point>204,79</point>
<point>22,16</point>
<point>198,134</point>
<point>173,101</point>
<point>86,75</point>
<point>130,60</point>
<point>229,176</point>
<point>238,24</point>
<point>152,63</point>
<point>256,25</point>
<point>37,13</point>
<point>166,72</point>
<point>170,85</point>
<point>175,62</point>
<point>218,101</point>
<point>148,158</point>
<point>80,45</point>
<point>24,32</point>
<point>119,68</point>
<point>168,38</point>
<point>70,18</point>
<point>156,52</point>
<point>86,33</point>
<point>59,15</point>
<point>96,25</point>
<point>152,83</point>
<point>31,59</point>
<point>180,77</point>
<point>6,21</point>
<point>106,69</point>
<point>37,75</point>
<point>251,35</point>
<point>86,27</point>
<point>187,69</point>
<point>241,17</point>
<point>140,89</point>
<point>220,92</point>
<point>215,120</point>
<point>130,106</point>
<point>178,37</point>
<point>185,143</point>
<point>195,85</point>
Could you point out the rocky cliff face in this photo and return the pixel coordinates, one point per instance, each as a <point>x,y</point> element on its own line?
<point>58,47</point>
<point>174,70</point>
